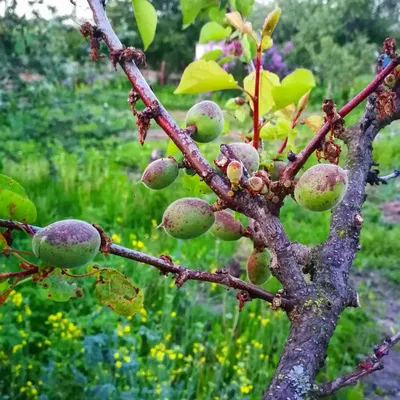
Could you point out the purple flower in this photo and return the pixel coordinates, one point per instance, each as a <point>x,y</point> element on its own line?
<point>273,59</point>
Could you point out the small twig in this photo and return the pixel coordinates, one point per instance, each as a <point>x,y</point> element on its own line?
<point>371,364</point>
<point>28,253</point>
<point>167,266</point>
<point>65,272</point>
<point>245,91</point>
<point>283,145</point>
<point>386,178</point>
<point>21,274</point>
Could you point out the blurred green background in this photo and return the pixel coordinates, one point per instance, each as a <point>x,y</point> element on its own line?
<point>68,136</point>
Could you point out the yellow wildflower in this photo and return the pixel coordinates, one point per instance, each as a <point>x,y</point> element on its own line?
<point>245,389</point>
<point>115,238</point>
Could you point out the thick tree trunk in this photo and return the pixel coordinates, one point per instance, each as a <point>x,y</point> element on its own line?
<point>313,323</point>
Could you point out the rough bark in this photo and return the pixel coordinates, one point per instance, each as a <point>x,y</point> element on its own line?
<point>314,322</point>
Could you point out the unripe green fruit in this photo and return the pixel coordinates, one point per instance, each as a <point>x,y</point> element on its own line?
<point>209,121</point>
<point>247,154</point>
<point>160,173</point>
<point>257,267</point>
<point>321,187</point>
<point>226,227</point>
<point>276,170</point>
<point>188,218</point>
<point>66,244</point>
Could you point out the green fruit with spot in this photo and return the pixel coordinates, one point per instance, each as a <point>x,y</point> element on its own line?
<point>208,119</point>
<point>258,267</point>
<point>321,187</point>
<point>226,227</point>
<point>160,173</point>
<point>276,170</point>
<point>66,244</point>
<point>245,153</point>
<point>188,218</point>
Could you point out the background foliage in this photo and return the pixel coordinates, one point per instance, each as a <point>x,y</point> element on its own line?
<point>69,138</point>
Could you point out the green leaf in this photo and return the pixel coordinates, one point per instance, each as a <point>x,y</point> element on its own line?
<point>4,285</point>
<point>231,104</point>
<point>204,76</point>
<point>212,55</point>
<point>172,150</point>
<point>59,287</point>
<point>293,87</point>
<point>195,185</point>
<point>249,48</point>
<point>146,19</point>
<point>241,114</point>
<point>224,60</point>
<point>216,15</point>
<point>266,43</point>
<point>4,294</point>
<point>270,22</point>
<point>7,183</point>
<point>16,207</point>
<point>223,4</point>
<point>116,291</point>
<point>191,8</point>
<point>245,7</point>
<point>268,81</point>
<point>213,31</point>
<point>3,243</point>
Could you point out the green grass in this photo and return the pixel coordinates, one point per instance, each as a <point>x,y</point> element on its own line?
<point>190,343</point>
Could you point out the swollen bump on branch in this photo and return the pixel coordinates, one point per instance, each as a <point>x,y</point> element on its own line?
<point>128,54</point>
<point>95,35</point>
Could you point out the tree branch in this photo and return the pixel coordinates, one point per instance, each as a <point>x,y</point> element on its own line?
<point>183,141</point>
<point>386,178</point>
<point>314,321</point>
<point>254,207</point>
<point>371,364</point>
<point>182,274</point>
<point>294,166</point>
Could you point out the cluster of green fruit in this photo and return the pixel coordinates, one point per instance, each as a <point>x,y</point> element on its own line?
<point>73,243</point>
<point>319,189</point>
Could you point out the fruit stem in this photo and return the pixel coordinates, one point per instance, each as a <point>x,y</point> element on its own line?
<point>283,145</point>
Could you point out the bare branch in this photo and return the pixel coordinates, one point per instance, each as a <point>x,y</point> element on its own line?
<point>182,274</point>
<point>371,364</point>
<point>294,166</point>
<point>386,178</point>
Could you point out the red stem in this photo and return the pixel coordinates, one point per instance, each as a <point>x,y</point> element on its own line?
<point>256,137</point>
<point>8,275</point>
<point>294,166</point>
<point>283,145</point>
